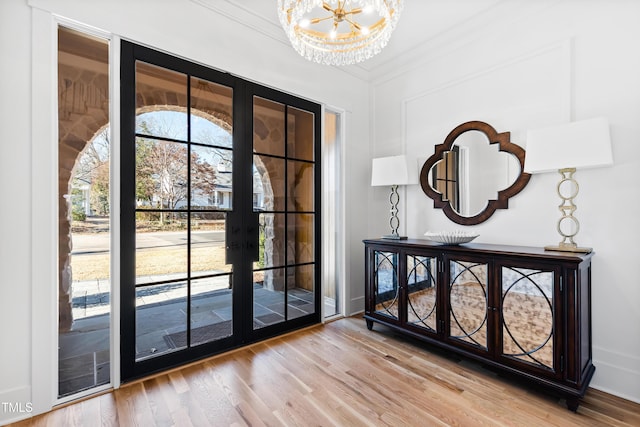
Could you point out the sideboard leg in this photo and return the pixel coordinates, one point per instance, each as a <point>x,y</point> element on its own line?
<point>369,324</point>
<point>573,403</point>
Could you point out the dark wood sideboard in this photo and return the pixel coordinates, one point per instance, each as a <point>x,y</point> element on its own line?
<point>521,310</point>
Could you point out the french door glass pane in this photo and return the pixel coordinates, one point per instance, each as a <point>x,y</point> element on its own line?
<point>211,312</point>
<point>211,178</point>
<point>268,127</point>
<point>211,113</point>
<point>300,134</point>
<point>160,255</point>
<point>156,87</point>
<point>300,238</point>
<point>268,297</point>
<point>300,177</point>
<point>160,319</point>
<point>269,183</point>
<point>272,241</point>
<point>208,244</point>
<point>300,291</point>
<point>161,174</point>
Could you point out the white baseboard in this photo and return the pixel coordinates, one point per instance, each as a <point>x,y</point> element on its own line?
<point>15,405</point>
<point>616,374</point>
<point>356,305</point>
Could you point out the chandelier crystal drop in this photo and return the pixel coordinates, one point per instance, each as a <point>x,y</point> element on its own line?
<point>339,32</point>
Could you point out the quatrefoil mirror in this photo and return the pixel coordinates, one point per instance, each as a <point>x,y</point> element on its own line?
<point>474,172</point>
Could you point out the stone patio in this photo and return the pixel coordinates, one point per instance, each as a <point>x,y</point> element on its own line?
<point>84,350</point>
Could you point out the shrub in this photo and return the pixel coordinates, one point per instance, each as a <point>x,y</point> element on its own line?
<point>78,214</point>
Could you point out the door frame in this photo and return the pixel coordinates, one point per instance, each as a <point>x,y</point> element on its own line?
<point>243,91</point>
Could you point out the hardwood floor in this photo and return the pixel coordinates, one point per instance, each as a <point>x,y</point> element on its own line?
<point>338,374</point>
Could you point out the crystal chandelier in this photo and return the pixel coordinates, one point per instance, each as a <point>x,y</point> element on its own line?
<point>339,32</point>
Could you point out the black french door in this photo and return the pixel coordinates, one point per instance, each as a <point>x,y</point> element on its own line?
<point>220,224</point>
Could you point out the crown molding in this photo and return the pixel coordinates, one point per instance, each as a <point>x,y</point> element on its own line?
<point>246,17</point>
<point>503,13</point>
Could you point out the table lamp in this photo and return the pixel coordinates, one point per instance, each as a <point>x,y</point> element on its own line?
<point>393,171</point>
<point>565,148</point>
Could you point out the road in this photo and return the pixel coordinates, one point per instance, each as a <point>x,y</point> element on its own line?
<point>94,243</point>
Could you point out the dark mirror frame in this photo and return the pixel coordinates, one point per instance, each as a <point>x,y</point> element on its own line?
<point>502,202</point>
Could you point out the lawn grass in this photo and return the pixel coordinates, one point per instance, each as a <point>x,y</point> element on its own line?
<point>152,261</point>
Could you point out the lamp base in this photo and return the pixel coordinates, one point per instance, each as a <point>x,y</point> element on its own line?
<point>567,207</point>
<point>563,247</point>
<point>394,237</point>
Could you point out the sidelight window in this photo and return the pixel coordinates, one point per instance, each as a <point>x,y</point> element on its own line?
<point>84,232</point>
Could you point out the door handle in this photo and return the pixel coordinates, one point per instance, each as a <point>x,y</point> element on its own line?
<point>245,244</point>
<point>253,237</point>
<point>232,247</point>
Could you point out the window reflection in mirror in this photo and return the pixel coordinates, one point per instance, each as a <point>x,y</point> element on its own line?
<point>472,173</point>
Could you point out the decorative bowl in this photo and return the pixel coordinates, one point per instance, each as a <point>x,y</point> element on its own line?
<point>454,237</point>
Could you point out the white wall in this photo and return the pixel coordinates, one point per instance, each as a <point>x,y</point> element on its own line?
<point>27,164</point>
<point>15,204</point>
<point>535,64</point>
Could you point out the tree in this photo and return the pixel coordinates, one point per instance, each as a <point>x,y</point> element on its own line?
<point>93,168</point>
<point>99,195</point>
<point>162,167</point>
<point>94,156</point>
<point>168,161</point>
<point>145,185</point>
<point>203,175</point>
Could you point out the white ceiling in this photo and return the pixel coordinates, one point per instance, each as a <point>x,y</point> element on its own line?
<point>421,24</point>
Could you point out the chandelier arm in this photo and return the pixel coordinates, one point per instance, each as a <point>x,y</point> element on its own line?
<point>318,20</point>
<point>354,23</point>
<point>327,6</point>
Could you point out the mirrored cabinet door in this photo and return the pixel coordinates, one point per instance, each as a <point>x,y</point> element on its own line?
<point>528,310</point>
<point>468,298</point>
<point>385,283</point>
<point>422,273</point>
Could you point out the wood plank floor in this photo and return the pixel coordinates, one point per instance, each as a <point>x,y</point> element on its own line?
<point>339,374</point>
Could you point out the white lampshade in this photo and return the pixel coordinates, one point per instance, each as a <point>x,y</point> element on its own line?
<point>583,144</point>
<point>394,170</point>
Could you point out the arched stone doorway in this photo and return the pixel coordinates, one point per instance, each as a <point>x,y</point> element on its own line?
<point>83,87</point>
<point>83,111</point>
